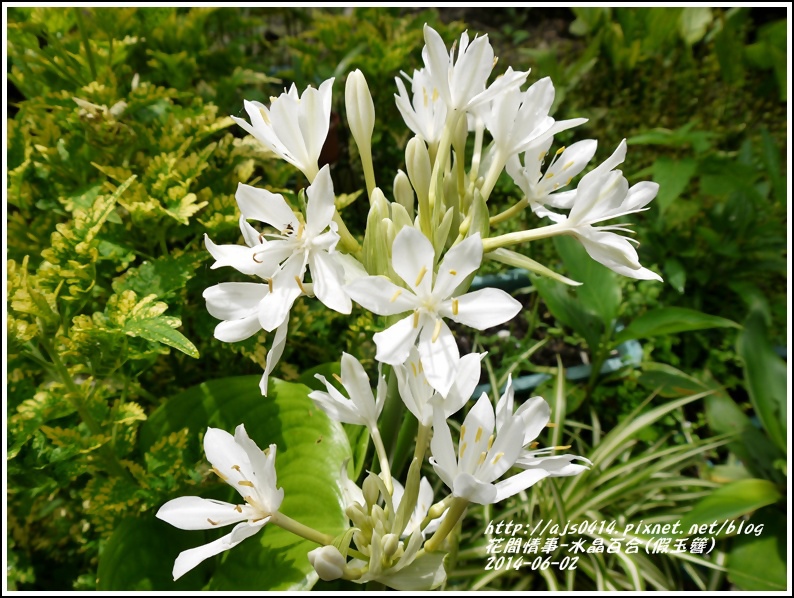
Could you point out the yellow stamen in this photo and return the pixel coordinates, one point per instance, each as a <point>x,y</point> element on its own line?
<point>562,149</point>
<point>416,319</point>
<point>421,367</point>
<point>454,307</point>
<point>453,272</point>
<point>260,519</point>
<point>301,226</point>
<point>420,276</point>
<point>497,457</point>
<point>462,449</point>
<point>253,257</point>
<point>568,165</point>
<point>300,285</point>
<point>435,94</point>
<point>541,156</point>
<point>568,182</point>
<point>397,293</point>
<point>436,331</point>
<point>218,473</point>
<point>534,445</point>
<point>551,425</point>
<point>246,483</point>
<point>463,430</point>
<point>490,441</point>
<point>236,468</point>
<point>269,284</point>
<point>212,522</point>
<point>478,435</point>
<point>481,460</point>
<point>549,175</point>
<point>413,367</point>
<point>563,448</point>
<point>238,508</point>
<point>337,378</point>
<point>495,60</point>
<point>424,96</point>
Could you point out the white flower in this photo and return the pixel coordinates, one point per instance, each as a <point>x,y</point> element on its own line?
<point>430,301</point>
<point>519,121</point>
<point>543,189</point>
<point>362,408</point>
<point>462,83</point>
<point>419,396</point>
<point>536,413</point>
<point>281,258</point>
<point>426,113</point>
<point>238,304</point>
<point>294,128</point>
<point>423,503</point>
<point>328,562</point>
<point>603,194</point>
<point>240,463</point>
<point>482,457</point>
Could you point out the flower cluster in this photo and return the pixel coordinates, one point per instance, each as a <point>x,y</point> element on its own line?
<point>414,267</point>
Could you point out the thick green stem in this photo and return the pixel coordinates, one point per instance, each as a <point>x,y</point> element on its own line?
<point>510,212</point>
<point>456,510</point>
<point>523,236</point>
<point>494,171</point>
<point>299,529</point>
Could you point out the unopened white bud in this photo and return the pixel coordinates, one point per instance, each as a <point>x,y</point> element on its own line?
<point>371,490</point>
<point>390,544</point>
<point>360,108</point>
<point>417,161</point>
<point>404,193</point>
<point>328,562</point>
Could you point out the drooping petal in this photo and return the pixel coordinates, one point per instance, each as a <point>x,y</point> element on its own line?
<point>356,382</point>
<point>412,259</point>
<point>336,405</point>
<point>189,559</point>
<point>275,307</point>
<point>466,379</point>
<point>439,353</point>
<point>320,205</point>
<point>240,258</point>
<point>264,206</point>
<point>394,343</point>
<point>193,512</point>
<point>234,300</point>
<point>328,279</point>
<point>481,309</point>
<point>557,465</point>
<point>234,331</point>
<point>443,460</point>
<point>535,413</point>
<point>517,483</point>
<point>381,296</point>
<point>473,490</point>
<point>274,354</point>
<point>460,261</point>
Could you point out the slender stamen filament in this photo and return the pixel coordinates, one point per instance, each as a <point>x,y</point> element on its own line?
<point>212,522</point>
<point>269,284</point>
<point>300,285</point>
<point>246,483</point>
<point>397,293</point>
<point>416,319</point>
<point>338,378</point>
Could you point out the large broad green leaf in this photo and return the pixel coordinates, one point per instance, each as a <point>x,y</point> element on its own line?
<point>670,320</point>
<point>673,177</point>
<point>311,451</point>
<point>161,277</point>
<point>765,377</point>
<point>730,502</point>
<point>758,562</point>
<point>669,381</point>
<point>139,556</point>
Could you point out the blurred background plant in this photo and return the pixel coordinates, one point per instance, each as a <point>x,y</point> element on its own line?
<point>121,156</point>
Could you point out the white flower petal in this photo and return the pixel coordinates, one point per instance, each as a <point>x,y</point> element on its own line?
<point>264,466</point>
<point>413,259</point>
<point>234,331</point>
<point>460,261</point>
<point>536,413</point>
<point>189,559</point>
<point>274,354</point>
<point>473,490</point>
<point>336,405</point>
<point>320,205</point>
<point>328,279</point>
<point>444,460</point>
<point>275,307</point>
<point>234,300</point>
<point>193,512</point>
<point>264,206</point>
<point>482,309</point>
<point>240,258</point>
<point>228,458</point>
<point>440,357</point>
<point>466,380</point>
<point>517,483</point>
<point>394,344</point>
<point>381,296</point>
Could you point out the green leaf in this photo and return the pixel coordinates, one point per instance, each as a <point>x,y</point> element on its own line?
<point>140,555</point>
<point>670,381</point>
<point>569,311</point>
<point>765,377</point>
<point>673,177</point>
<point>759,562</point>
<point>145,319</point>
<point>675,274</point>
<point>671,320</point>
<point>160,277</point>
<point>311,451</point>
<point>732,501</point>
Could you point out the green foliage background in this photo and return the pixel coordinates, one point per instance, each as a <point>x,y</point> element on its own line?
<point>122,156</point>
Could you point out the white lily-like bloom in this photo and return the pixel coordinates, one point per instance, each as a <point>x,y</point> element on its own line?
<point>430,301</point>
<point>362,408</point>
<point>284,256</point>
<point>603,194</point>
<point>536,413</point>
<point>544,188</point>
<point>238,304</point>
<point>419,396</point>
<point>239,462</point>
<point>295,127</point>
<point>519,121</point>
<point>426,113</point>
<point>482,456</point>
<point>461,82</point>
<point>423,503</point>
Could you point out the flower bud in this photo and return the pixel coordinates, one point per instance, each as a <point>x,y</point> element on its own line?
<point>360,109</point>
<point>417,161</point>
<point>390,543</point>
<point>375,251</point>
<point>371,490</point>
<point>328,562</point>
<point>404,193</point>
